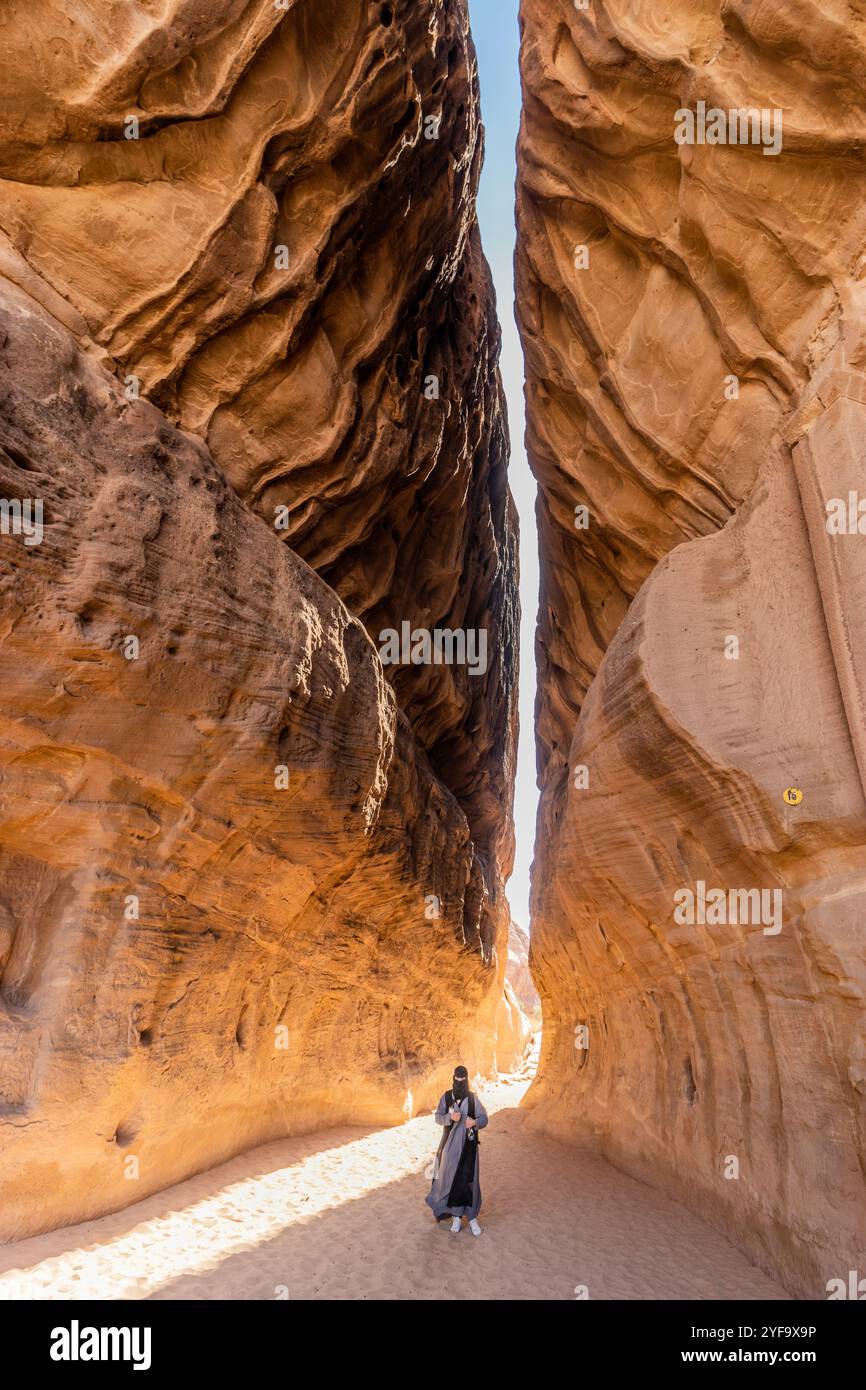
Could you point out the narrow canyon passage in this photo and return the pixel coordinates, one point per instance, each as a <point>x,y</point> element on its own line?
<point>340,1215</point>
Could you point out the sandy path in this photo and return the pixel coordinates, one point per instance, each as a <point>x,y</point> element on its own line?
<point>341,1215</point>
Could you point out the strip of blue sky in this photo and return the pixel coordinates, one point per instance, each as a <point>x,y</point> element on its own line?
<point>497,41</point>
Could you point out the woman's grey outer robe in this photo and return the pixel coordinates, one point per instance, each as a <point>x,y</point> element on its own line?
<point>437,1199</point>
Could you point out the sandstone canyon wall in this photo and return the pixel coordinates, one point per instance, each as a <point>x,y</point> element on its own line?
<point>251,879</point>
<point>518,1021</point>
<point>693,319</point>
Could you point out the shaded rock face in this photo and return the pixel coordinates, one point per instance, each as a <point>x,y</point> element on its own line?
<point>251,878</point>
<point>693,322</point>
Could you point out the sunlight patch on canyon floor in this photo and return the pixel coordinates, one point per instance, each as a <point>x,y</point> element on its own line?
<point>341,1215</point>
<point>196,1232</point>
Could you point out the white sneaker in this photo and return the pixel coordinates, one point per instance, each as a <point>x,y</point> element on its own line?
<point>474,1227</point>
<point>455,1225</point>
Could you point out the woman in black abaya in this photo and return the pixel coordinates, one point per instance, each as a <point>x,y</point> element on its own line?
<point>456,1189</point>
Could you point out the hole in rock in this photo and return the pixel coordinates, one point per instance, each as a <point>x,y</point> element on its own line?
<point>124,1134</point>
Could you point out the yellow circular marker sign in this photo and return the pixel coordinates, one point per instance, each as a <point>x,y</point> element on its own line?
<point>792,795</point>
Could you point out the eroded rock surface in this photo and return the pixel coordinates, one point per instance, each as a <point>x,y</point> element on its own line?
<point>285,265</point>
<point>518,973</point>
<point>693,319</point>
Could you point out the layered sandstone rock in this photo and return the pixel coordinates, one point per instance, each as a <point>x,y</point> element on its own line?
<point>250,370</point>
<point>513,1032</point>
<point>519,975</point>
<point>693,319</point>
<point>518,1018</point>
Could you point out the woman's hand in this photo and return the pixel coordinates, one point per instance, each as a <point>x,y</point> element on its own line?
<point>470,1123</point>
<point>455,1115</point>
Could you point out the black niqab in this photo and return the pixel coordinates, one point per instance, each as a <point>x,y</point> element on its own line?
<point>460,1083</point>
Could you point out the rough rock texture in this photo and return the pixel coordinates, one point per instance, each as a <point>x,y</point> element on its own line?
<point>707,523</point>
<point>519,1013</point>
<point>286,968</point>
<point>513,1032</point>
<point>518,973</point>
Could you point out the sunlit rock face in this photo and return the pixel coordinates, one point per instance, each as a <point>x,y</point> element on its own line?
<point>251,878</point>
<point>519,975</point>
<point>519,1016</point>
<point>693,322</point>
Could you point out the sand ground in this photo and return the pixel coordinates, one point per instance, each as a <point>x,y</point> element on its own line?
<point>341,1215</point>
